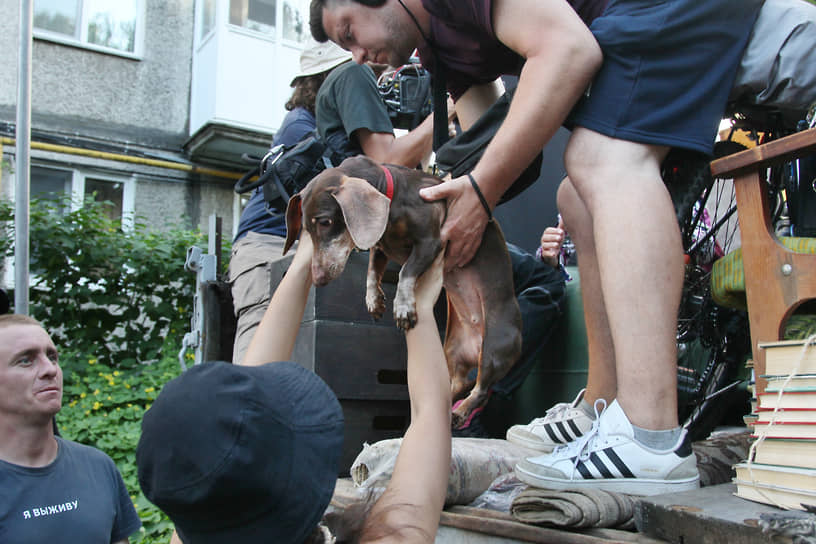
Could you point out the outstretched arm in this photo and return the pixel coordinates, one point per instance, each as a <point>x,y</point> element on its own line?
<point>412,503</point>
<point>275,336</point>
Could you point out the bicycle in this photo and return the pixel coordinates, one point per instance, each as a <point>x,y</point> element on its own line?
<point>713,341</point>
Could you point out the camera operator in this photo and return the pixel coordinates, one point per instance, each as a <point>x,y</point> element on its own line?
<point>341,99</point>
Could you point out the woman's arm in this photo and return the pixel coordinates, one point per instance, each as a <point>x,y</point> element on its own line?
<point>275,336</point>
<point>411,505</point>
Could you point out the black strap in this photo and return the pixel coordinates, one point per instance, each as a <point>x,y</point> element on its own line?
<point>440,98</point>
<point>440,105</point>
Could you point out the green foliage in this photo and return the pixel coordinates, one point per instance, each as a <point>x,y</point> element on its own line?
<point>103,407</point>
<point>102,290</point>
<point>6,233</point>
<point>117,304</point>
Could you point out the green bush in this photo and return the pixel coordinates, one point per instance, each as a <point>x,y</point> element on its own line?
<point>117,304</point>
<point>103,408</point>
<point>102,290</point>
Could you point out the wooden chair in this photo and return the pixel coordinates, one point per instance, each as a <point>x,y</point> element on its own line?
<point>777,280</point>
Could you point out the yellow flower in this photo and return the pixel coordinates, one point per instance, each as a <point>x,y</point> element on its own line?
<point>111,382</point>
<point>72,403</point>
<point>115,372</point>
<point>129,405</point>
<point>87,412</point>
<point>97,405</point>
<point>91,361</point>
<point>96,391</point>
<point>127,386</point>
<point>189,355</point>
<point>82,395</point>
<point>149,389</point>
<point>109,397</point>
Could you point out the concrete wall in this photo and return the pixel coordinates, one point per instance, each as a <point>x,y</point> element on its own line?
<point>82,91</point>
<point>87,99</point>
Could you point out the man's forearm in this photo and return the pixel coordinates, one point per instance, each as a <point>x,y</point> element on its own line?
<point>410,149</point>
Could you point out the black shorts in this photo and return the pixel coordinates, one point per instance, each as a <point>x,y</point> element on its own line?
<point>668,69</point>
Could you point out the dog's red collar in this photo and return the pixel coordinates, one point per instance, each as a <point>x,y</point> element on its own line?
<point>389,183</point>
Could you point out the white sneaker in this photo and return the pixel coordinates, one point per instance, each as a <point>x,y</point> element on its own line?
<point>561,424</point>
<point>608,457</point>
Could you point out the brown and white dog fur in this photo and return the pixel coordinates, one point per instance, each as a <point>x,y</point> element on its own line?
<point>346,207</point>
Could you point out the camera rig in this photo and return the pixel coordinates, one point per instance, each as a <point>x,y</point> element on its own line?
<point>406,92</point>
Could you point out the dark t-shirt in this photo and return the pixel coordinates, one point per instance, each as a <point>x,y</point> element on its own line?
<point>347,101</point>
<point>297,124</point>
<point>466,44</point>
<point>80,497</point>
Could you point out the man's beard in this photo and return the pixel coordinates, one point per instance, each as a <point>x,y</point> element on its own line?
<point>399,46</point>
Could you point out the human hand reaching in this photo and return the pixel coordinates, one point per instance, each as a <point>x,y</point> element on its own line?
<point>429,285</point>
<point>551,241</point>
<point>302,262</point>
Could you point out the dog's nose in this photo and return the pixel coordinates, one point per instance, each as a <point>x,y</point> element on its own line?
<point>319,276</point>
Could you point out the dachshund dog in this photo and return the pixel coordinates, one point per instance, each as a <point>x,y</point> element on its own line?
<point>361,204</point>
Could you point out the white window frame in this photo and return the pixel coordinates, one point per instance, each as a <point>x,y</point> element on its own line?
<point>200,39</point>
<point>78,177</point>
<point>82,42</point>
<point>277,36</point>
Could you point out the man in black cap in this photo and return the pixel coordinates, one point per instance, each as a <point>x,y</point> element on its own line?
<point>251,453</point>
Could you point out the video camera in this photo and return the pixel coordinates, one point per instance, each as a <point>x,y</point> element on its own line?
<point>406,92</point>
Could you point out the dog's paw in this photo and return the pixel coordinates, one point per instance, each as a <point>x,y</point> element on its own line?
<point>457,421</point>
<point>375,303</point>
<point>405,316</point>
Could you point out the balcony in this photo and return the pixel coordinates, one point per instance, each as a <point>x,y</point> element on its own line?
<point>246,53</point>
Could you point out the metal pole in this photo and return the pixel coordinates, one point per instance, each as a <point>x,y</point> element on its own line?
<point>23,135</point>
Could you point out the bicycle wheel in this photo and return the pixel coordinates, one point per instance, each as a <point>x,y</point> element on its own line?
<point>712,341</point>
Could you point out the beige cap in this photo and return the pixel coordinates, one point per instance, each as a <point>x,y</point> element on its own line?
<point>319,57</point>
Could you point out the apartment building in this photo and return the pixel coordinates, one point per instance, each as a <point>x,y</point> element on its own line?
<point>150,103</point>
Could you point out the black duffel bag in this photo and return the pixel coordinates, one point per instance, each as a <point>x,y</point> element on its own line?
<point>459,155</point>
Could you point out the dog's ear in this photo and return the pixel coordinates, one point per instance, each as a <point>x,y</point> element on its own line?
<point>365,210</point>
<point>294,218</point>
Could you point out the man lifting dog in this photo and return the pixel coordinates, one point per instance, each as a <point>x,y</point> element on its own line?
<point>632,79</point>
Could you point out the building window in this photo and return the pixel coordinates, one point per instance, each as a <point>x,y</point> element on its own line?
<point>49,183</point>
<point>53,183</point>
<point>258,15</point>
<point>97,24</point>
<point>295,17</point>
<point>207,18</point>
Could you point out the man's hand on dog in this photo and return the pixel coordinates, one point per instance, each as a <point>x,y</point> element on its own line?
<point>466,219</point>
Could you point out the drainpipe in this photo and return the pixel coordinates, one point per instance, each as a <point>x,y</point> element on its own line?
<point>23,133</point>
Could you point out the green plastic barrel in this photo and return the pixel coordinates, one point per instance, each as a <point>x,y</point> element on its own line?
<point>557,376</point>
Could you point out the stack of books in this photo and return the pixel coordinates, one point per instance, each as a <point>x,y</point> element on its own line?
<point>783,471</point>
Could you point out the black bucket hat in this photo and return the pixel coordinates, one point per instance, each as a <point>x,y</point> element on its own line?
<point>242,454</point>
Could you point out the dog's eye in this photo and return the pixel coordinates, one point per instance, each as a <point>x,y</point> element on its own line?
<point>324,222</point>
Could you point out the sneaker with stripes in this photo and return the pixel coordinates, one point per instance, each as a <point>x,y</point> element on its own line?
<point>562,424</point>
<point>608,457</point>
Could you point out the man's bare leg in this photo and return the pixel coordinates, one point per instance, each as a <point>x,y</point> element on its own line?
<point>640,264</point>
<point>601,377</point>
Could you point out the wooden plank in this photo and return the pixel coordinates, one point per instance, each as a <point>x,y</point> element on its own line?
<point>775,152</point>
<point>709,515</point>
